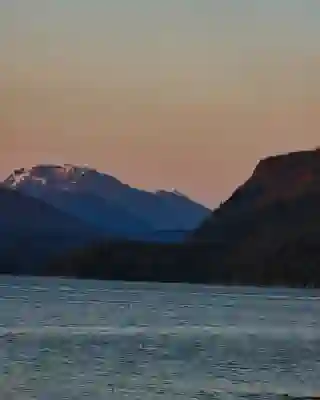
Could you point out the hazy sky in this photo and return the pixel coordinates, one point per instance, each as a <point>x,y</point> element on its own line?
<point>159,93</point>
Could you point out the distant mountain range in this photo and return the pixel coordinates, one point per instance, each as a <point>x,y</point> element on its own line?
<point>107,205</point>
<point>266,233</point>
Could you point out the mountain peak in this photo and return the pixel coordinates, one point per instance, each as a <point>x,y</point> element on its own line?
<point>101,198</point>
<point>177,193</point>
<point>64,176</point>
<point>172,192</point>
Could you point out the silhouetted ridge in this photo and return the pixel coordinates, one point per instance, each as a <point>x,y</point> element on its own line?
<point>277,178</point>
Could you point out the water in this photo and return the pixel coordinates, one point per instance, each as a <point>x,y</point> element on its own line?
<point>67,339</point>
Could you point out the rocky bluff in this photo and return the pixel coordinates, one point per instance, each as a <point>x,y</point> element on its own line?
<point>270,223</point>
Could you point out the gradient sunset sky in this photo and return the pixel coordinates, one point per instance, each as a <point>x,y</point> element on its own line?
<point>159,93</point>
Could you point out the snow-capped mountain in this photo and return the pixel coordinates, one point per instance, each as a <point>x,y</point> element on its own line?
<point>63,177</point>
<point>107,203</point>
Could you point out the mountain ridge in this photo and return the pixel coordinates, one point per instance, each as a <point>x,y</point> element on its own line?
<point>105,201</point>
<point>266,233</point>
<point>276,178</point>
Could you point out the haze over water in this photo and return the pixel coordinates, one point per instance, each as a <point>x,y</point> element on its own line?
<point>68,339</point>
<point>187,94</point>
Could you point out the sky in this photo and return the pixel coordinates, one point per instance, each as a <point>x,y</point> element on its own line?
<point>187,94</point>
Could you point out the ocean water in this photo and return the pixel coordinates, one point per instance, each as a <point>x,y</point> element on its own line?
<point>69,339</point>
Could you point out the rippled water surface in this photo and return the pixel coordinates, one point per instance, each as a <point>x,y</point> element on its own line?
<point>67,339</point>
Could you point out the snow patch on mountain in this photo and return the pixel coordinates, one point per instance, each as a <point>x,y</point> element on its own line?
<point>103,200</point>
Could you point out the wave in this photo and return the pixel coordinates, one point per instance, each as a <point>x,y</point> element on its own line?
<point>186,330</point>
<point>219,389</point>
<point>251,390</point>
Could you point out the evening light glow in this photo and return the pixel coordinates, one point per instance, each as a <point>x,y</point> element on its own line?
<point>185,93</point>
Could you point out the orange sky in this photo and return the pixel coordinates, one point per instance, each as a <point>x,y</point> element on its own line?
<point>169,97</point>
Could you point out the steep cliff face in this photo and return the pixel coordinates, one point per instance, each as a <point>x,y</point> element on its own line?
<point>277,179</point>
<point>287,176</point>
<point>278,205</point>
